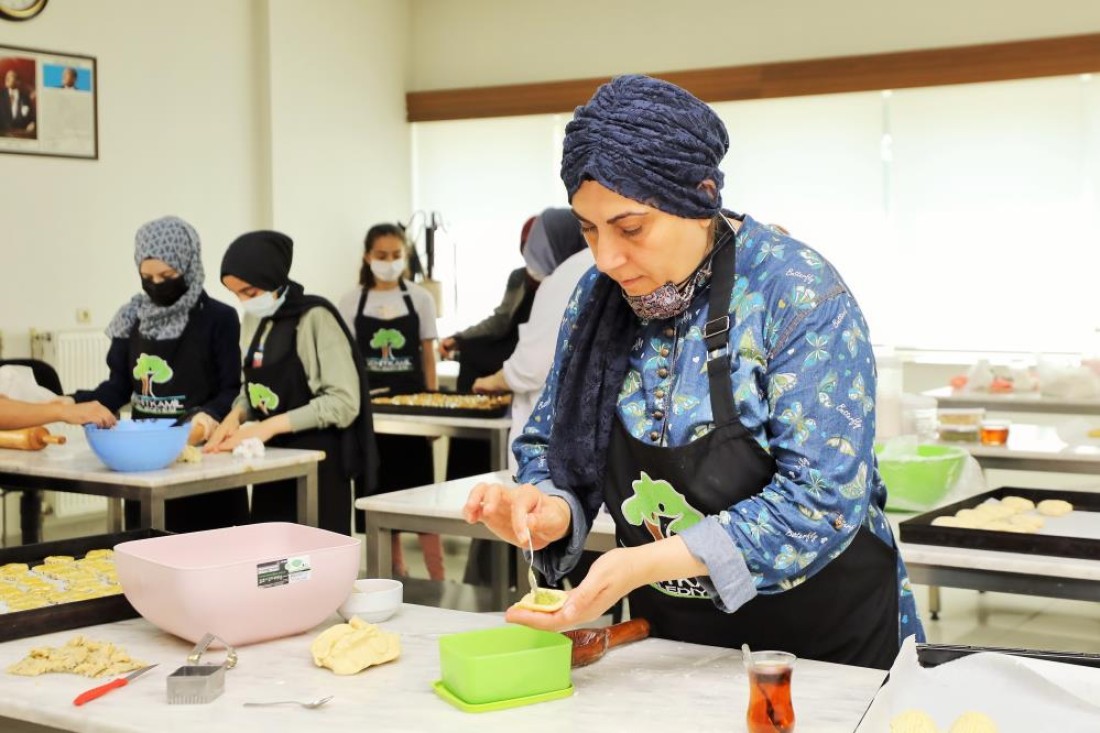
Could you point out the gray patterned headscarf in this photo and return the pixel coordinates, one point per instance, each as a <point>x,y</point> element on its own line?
<point>176,242</point>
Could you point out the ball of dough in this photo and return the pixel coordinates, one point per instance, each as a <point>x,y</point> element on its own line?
<point>1030,522</point>
<point>1054,507</point>
<point>913,721</point>
<point>1003,526</point>
<point>546,600</point>
<point>947,522</point>
<point>972,722</point>
<point>1018,503</point>
<point>352,647</point>
<point>968,515</point>
<point>995,510</point>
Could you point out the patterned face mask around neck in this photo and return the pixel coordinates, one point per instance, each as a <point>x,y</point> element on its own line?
<point>672,299</point>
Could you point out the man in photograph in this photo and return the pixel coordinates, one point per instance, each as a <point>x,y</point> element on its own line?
<point>17,117</point>
<point>68,78</point>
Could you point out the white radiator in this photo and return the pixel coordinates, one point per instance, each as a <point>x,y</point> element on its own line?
<point>66,505</point>
<point>80,357</point>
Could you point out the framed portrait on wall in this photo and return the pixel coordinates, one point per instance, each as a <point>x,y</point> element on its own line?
<point>47,103</point>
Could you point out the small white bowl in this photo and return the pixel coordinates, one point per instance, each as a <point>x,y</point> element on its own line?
<point>373,600</point>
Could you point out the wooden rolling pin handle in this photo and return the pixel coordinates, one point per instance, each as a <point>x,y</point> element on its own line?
<point>54,439</point>
<point>633,630</point>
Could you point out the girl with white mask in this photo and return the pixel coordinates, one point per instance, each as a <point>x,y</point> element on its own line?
<point>303,384</point>
<point>394,324</point>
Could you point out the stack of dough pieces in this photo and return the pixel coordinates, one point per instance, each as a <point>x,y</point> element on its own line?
<point>1010,514</point>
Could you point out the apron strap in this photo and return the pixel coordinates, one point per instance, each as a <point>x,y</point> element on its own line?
<point>362,302</point>
<point>716,334</point>
<point>408,302</point>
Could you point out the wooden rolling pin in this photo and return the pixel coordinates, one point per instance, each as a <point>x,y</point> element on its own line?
<point>29,439</point>
<point>591,644</point>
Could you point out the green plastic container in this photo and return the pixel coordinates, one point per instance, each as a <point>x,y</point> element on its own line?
<point>506,663</point>
<point>920,482</point>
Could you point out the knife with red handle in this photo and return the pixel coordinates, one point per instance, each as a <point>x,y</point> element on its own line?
<point>102,690</point>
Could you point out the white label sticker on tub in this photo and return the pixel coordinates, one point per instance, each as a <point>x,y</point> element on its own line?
<point>281,572</point>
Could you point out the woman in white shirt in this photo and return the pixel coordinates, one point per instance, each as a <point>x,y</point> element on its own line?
<point>556,255</point>
<point>393,320</point>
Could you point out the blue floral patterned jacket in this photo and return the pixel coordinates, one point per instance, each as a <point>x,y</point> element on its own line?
<point>803,378</point>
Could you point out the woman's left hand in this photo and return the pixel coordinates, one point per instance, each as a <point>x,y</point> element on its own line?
<point>205,424</point>
<point>610,579</point>
<point>261,430</point>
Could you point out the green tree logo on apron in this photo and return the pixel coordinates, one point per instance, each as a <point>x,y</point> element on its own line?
<point>149,369</point>
<point>262,398</point>
<point>661,509</point>
<point>387,339</point>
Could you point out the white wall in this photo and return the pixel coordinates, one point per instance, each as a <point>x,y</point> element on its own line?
<point>465,43</point>
<point>234,115</point>
<point>340,143</point>
<point>177,127</point>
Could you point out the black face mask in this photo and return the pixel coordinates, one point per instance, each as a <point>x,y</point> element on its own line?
<point>166,292</point>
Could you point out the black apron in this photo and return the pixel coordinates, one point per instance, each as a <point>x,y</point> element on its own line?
<point>276,382</point>
<point>170,378</point>
<point>393,355</point>
<point>847,613</point>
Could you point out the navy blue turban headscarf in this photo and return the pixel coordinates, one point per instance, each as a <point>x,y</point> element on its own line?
<point>655,143</point>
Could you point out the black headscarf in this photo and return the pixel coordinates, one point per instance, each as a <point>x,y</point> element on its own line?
<point>262,259</point>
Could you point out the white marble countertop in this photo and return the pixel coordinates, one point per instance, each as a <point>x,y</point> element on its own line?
<point>652,685</point>
<point>75,461</point>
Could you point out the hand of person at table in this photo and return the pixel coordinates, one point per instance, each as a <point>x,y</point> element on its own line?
<point>513,513</point>
<point>609,579</point>
<point>206,423</point>
<point>612,576</point>
<point>225,430</point>
<point>447,347</point>
<point>88,412</point>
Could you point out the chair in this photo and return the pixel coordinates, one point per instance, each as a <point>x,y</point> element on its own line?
<point>30,504</point>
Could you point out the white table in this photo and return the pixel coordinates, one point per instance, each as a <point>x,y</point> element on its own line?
<point>1034,448</point>
<point>438,509</point>
<point>1023,402</point>
<point>73,467</point>
<point>651,685</point>
<point>493,429</point>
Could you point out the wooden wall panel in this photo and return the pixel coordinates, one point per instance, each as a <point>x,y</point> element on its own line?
<point>898,70</point>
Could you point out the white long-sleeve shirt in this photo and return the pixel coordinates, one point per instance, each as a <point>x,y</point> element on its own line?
<point>530,362</point>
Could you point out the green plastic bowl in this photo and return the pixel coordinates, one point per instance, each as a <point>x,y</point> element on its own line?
<point>920,482</point>
<point>506,663</point>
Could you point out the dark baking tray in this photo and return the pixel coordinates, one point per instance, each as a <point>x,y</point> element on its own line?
<point>386,409</point>
<point>933,655</point>
<point>65,616</point>
<point>919,529</point>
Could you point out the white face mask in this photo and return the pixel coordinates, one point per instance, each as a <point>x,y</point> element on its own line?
<point>263,306</point>
<point>388,271</point>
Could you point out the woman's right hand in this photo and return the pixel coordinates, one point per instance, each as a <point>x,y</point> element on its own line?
<point>447,347</point>
<point>223,432</point>
<point>88,412</point>
<point>514,513</point>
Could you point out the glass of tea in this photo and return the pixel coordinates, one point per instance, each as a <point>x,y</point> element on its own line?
<point>770,708</point>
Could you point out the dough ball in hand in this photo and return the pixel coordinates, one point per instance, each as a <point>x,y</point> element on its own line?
<point>913,721</point>
<point>546,600</point>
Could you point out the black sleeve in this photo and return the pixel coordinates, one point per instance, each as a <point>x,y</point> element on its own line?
<point>225,348</point>
<point>115,392</point>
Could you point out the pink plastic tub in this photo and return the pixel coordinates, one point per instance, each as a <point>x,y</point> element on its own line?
<point>245,584</point>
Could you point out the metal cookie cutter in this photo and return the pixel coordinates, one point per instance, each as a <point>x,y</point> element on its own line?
<point>196,683</point>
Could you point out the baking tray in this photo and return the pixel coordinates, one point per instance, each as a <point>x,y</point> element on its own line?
<point>919,530</point>
<point>73,615</point>
<point>388,409</point>
<point>933,655</point>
